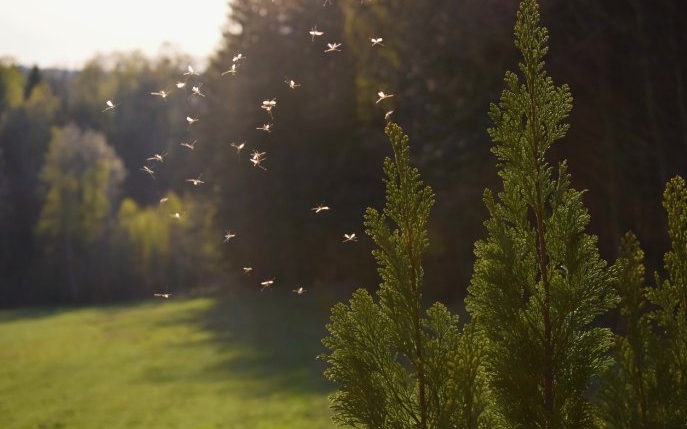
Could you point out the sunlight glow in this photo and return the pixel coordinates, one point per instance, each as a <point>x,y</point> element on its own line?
<point>67,33</point>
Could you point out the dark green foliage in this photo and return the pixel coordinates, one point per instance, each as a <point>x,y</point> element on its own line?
<point>394,366</point>
<point>539,281</point>
<point>630,396</point>
<point>647,386</point>
<point>670,298</point>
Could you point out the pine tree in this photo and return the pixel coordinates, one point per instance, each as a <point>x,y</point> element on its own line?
<point>538,281</point>
<point>394,366</point>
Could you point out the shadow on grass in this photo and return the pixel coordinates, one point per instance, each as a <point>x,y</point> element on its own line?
<point>270,337</point>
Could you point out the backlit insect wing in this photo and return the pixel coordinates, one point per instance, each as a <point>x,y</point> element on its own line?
<point>333,47</point>
<point>383,96</point>
<point>147,170</point>
<point>376,41</point>
<point>319,208</point>
<point>176,215</point>
<point>157,157</point>
<point>350,237</point>
<point>238,57</point>
<point>387,115</point>
<point>190,71</point>
<point>292,84</point>
<point>191,120</point>
<point>247,270</point>
<point>265,127</point>
<point>314,32</point>
<point>232,70</point>
<point>191,145</point>
<point>299,291</point>
<point>197,181</point>
<point>162,295</point>
<point>181,84</point>
<point>196,90</point>
<point>110,105</point>
<point>228,236</point>
<point>162,93</point>
<point>266,284</point>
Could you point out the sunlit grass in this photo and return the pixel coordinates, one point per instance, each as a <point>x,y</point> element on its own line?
<point>244,361</point>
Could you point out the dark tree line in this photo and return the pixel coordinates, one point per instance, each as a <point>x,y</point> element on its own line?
<point>443,62</point>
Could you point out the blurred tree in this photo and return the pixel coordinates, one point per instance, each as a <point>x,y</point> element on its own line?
<point>81,176</point>
<point>24,136</point>
<point>172,247</point>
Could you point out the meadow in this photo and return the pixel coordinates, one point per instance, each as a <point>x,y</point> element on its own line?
<point>244,360</point>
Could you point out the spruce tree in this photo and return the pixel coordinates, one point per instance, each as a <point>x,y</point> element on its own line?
<point>394,366</point>
<point>538,282</point>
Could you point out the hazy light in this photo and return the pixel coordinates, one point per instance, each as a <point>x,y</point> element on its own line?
<point>67,33</point>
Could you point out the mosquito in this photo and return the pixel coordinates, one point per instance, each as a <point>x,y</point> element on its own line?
<point>333,47</point>
<point>376,41</point>
<point>232,70</point>
<point>268,105</point>
<point>292,84</point>
<point>146,169</point>
<point>176,215</point>
<point>350,237</point>
<point>237,57</point>
<point>197,181</point>
<point>163,200</point>
<point>388,114</point>
<point>158,157</point>
<point>266,284</point>
<point>228,236</point>
<point>110,105</point>
<point>196,90</point>
<point>319,208</point>
<point>191,72</point>
<point>162,295</point>
<point>299,291</point>
<point>383,96</point>
<point>181,84</point>
<point>191,145</point>
<point>238,147</point>
<point>257,158</point>
<point>191,120</point>
<point>162,93</point>
<point>266,127</point>
<point>314,32</point>
<point>247,270</point>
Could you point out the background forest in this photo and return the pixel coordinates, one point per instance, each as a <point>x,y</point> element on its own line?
<point>81,221</point>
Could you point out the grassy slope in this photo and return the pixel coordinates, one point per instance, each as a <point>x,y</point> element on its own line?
<point>245,361</point>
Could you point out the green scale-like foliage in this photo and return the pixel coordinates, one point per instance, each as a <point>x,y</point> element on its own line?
<point>670,298</point>
<point>631,395</point>
<point>396,366</point>
<point>539,281</point>
<point>647,386</point>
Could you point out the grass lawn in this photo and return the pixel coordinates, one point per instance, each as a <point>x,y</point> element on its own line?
<point>242,361</point>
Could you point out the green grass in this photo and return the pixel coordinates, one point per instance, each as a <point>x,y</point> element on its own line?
<point>242,361</point>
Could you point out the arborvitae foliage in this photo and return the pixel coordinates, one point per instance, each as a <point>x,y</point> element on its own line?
<point>647,387</point>
<point>670,297</point>
<point>629,397</point>
<point>539,282</point>
<point>394,366</point>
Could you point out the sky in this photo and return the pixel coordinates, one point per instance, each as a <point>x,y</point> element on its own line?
<point>67,33</point>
